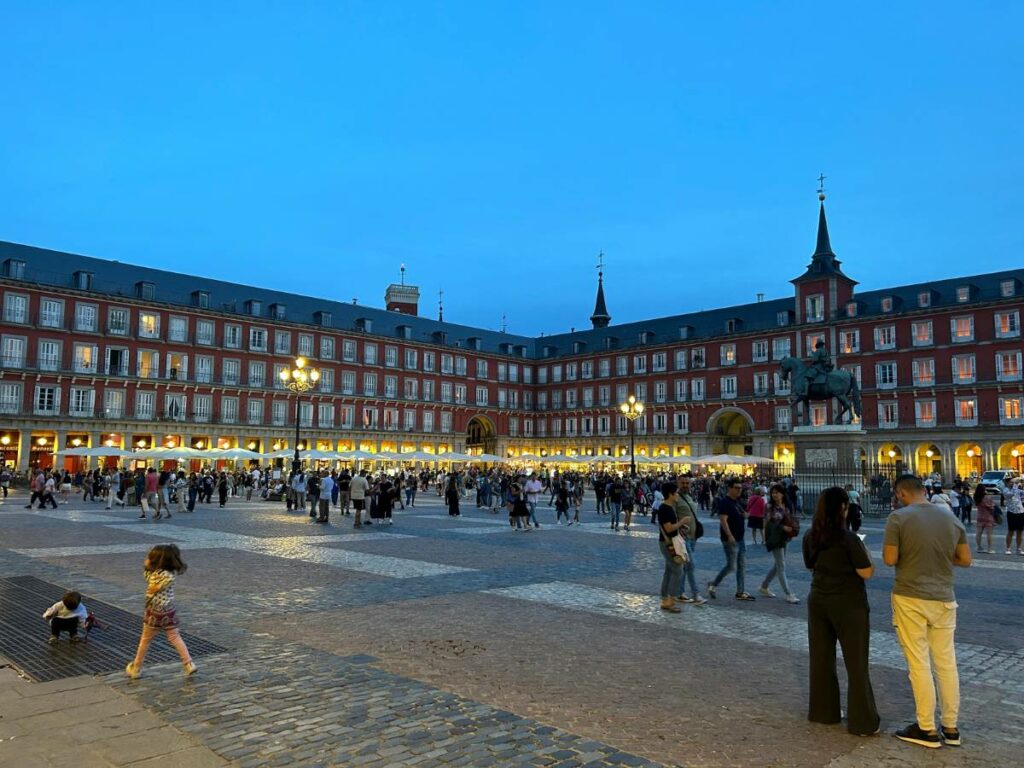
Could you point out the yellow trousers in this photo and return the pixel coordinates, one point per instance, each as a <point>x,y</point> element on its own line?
<point>925,630</point>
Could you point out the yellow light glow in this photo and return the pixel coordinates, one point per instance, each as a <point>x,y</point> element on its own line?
<point>41,441</point>
<point>285,374</point>
<point>170,442</point>
<point>892,453</point>
<point>1015,453</point>
<point>276,446</point>
<point>929,453</point>
<point>300,362</point>
<point>5,440</point>
<point>76,442</point>
<point>970,453</point>
<point>141,443</point>
<point>252,445</point>
<point>110,443</point>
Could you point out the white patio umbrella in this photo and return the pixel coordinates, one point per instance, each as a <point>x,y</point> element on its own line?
<point>357,456</point>
<point>528,456</point>
<point>489,457</point>
<point>417,456</point>
<point>454,456</point>
<point>233,453</point>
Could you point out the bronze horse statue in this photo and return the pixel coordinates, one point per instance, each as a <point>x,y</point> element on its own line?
<point>838,384</point>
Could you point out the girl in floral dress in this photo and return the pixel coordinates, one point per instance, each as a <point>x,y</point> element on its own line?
<point>162,564</point>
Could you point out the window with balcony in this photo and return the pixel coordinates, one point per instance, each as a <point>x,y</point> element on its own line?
<point>391,387</point>
<point>697,389</point>
<point>369,354</point>
<point>409,420</point>
<point>174,407</point>
<point>204,332</point>
<point>14,352</point>
<point>370,384</point>
<point>849,341</point>
<point>812,340</point>
<point>428,390</point>
<point>570,398</point>
<point>924,413</point>
<point>279,413</point>
<point>446,422</point>
<point>326,347</point>
<point>231,372</point>
<point>885,337</point>
<point>85,358</point>
<point>680,391</point>
<point>257,374</point>
<point>924,372</point>
<point>149,325</point>
<point>962,329</point>
<point>113,403</point>
<point>204,369</point>
<point>885,375</point>
<point>15,308</point>
<point>391,356</point>
<point>86,318</point>
<point>782,418</point>
<point>325,415</point>
<point>921,333</point>
<point>327,380</point>
<point>1008,366</point>
<point>781,348</point>
<point>966,410</point>
<point>660,360</point>
<point>1010,409</point>
<point>1007,325</point>
<point>727,354</point>
<point>257,340</point>
<point>254,411</point>
<point>118,321</point>
<point>697,358</point>
<point>348,351</point>
<point>116,363</point>
<point>660,392</point>
<point>759,351</point>
<point>51,313</point>
<point>233,336</point>
<point>145,405</point>
<point>963,369</point>
<point>411,386</point>
<point>282,342</point>
<point>815,307</point>
<point>728,385</point>
<point>177,329</point>
<point>229,411</point>
<point>761,384</point>
<point>888,415</point>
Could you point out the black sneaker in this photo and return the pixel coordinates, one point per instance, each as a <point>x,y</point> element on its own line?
<point>915,735</point>
<point>951,736</point>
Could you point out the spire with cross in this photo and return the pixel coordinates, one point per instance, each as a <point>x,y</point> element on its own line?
<point>821,186</point>
<point>600,318</point>
<point>440,305</point>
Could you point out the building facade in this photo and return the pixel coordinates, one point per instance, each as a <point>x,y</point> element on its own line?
<point>95,352</point>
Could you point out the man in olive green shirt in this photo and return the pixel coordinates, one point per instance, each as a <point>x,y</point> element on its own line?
<point>686,511</point>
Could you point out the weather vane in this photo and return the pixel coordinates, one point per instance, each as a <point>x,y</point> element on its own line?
<point>402,268</point>
<point>600,262</point>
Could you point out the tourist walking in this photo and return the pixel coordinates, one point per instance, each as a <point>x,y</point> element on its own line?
<point>451,497</point>
<point>779,528</point>
<point>1014,517</point>
<point>686,513</point>
<point>358,488</point>
<point>755,515</point>
<point>924,543</point>
<point>837,610</point>
<point>733,536</point>
<point>670,526</point>
<point>986,518</point>
<point>162,565</point>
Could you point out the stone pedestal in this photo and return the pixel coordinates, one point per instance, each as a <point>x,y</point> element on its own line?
<point>834,445</point>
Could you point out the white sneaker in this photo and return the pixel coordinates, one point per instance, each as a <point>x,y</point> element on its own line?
<point>1009,552</point>
<point>792,599</point>
<point>766,592</point>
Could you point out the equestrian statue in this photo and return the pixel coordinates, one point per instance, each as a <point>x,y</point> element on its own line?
<point>817,381</point>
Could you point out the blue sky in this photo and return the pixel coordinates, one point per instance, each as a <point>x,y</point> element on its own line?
<point>495,148</point>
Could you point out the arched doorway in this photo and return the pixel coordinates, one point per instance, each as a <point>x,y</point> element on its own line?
<point>729,430</point>
<point>481,435</point>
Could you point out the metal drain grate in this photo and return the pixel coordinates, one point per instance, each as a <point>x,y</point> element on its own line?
<point>23,635</point>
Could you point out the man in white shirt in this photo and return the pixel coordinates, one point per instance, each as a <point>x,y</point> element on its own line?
<point>533,490</point>
<point>358,489</point>
<point>65,615</point>
<point>326,488</point>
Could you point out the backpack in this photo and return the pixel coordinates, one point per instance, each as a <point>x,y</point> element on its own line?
<point>699,530</point>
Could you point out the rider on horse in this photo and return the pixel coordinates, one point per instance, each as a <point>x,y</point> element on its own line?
<point>820,365</point>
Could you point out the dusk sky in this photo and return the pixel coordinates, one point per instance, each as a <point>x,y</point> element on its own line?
<point>496,148</point>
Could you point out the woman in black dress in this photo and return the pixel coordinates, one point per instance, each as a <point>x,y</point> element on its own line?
<point>451,496</point>
<point>837,609</point>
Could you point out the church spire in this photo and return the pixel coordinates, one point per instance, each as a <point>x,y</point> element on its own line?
<point>600,318</point>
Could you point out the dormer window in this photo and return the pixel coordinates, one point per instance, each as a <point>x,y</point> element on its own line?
<point>733,325</point>
<point>686,332</point>
<point>646,337</point>
<point>253,307</point>
<point>579,347</point>
<point>145,290</point>
<point>519,350</point>
<point>474,342</point>
<point>887,303</point>
<point>403,331</point>
<point>963,294</point>
<point>1008,288</point>
<point>15,269</point>
<point>610,342</point>
<point>83,280</point>
<point>437,336</point>
<point>783,318</point>
<point>322,318</point>
<point>201,299</point>
<point>815,306</point>
<point>924,299</point>
<point>851,309</point>
<point>550,351</point>
<point>278,311</point>
<point>364,324</point>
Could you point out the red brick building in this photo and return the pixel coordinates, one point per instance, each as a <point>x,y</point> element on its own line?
<point>97,352</point>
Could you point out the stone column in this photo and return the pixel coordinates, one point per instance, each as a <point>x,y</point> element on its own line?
<point>24,450</point>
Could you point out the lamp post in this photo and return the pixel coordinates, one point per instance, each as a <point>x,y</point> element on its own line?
<point>298,380</point>
<point>632,409</point>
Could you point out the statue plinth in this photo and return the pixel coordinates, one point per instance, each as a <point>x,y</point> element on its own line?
<point>828,445</point>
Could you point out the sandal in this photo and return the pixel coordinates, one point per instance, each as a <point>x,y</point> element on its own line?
<point>744,596</point>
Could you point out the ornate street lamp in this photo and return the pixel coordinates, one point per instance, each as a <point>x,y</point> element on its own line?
<point>299,380</point>
<point>632,409</point>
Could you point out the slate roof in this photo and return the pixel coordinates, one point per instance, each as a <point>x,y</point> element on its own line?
<point>55,268</point>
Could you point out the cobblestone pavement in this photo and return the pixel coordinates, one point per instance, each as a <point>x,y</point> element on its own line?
<point>457,641</point>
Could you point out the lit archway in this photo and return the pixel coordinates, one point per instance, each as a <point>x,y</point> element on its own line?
<point>481,434</point>
<point>927,459</point>
<point>730,431</point>
<point>1011,456</point>
<point>969,460</point>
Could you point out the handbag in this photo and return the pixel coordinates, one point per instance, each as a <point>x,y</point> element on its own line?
<point>679,548</point>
